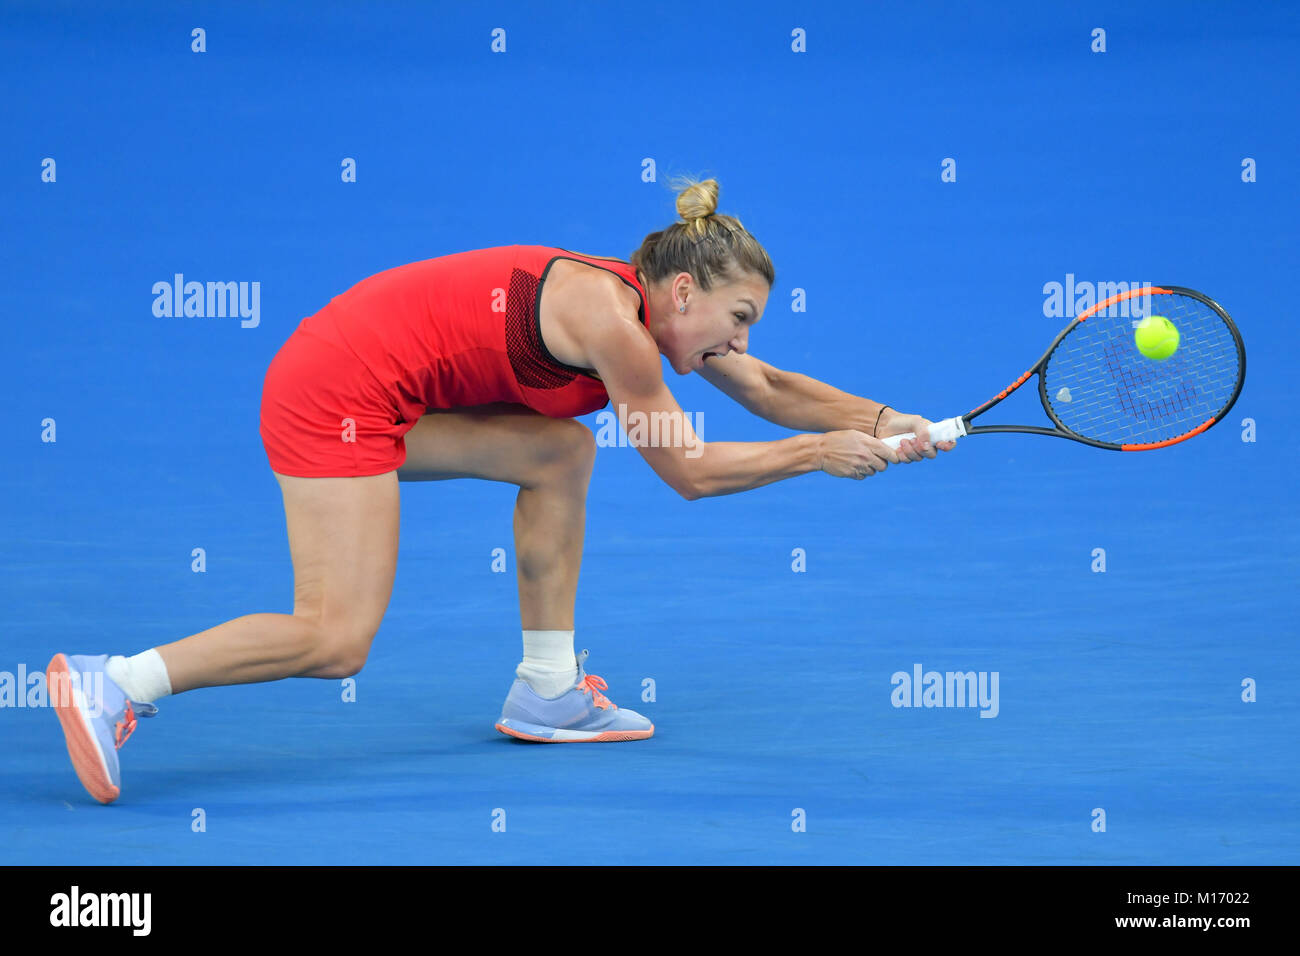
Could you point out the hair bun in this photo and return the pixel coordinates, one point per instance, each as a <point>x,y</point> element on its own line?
<point>698,200</point>
<point>708,245</point>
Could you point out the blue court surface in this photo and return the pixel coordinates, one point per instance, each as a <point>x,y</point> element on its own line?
<point>1157,696</point>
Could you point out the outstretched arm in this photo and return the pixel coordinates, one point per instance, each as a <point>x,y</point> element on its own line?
<point>627,360</point>
<point>802,402</point>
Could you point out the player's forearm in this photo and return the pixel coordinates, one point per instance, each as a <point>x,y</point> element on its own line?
<point>725,468</point>
<point>803,403</point>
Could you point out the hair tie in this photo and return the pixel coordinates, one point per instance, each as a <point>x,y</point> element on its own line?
<point>875,432</point>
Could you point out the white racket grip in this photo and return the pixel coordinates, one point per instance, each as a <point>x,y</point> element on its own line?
<point>950,429</point>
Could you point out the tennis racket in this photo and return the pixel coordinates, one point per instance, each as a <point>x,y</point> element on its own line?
<point>1097,388</point>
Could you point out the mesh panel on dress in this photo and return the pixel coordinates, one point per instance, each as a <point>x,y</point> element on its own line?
<point>523,343</point>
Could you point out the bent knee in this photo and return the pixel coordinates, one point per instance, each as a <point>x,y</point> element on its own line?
<point>567,446</point>
<point>343,647</point>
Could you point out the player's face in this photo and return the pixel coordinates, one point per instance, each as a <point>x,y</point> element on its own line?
<point>714,323</point>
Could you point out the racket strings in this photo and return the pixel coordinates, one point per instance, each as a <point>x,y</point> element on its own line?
<point>1101,387</point>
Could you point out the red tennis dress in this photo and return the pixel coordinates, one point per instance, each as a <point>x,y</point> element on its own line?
<point>449,332</point>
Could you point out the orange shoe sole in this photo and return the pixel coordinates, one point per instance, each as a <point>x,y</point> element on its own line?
<point>609,736</point>
<point>82,747</point>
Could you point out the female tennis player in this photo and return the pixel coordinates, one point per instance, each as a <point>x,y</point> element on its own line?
<point>474,365</point>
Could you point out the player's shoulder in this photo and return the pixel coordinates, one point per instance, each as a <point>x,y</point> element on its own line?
<point>594,287</point>
<point>586,312</point>
<point>596,301</point>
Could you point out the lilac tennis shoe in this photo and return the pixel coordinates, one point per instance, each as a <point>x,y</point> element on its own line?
<point>582,715</point>
<point>96,717</point>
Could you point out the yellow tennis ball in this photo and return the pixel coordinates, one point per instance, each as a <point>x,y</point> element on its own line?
<point>1156,337</point>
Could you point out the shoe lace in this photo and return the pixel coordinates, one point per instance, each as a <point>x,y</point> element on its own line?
<point>593,684</point>
<point>125,727</point>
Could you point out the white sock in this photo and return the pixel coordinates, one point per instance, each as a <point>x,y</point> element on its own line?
<point>143,677</point>
<point>549,666</point>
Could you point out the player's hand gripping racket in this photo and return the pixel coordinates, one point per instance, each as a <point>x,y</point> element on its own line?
<point>1097,388</point>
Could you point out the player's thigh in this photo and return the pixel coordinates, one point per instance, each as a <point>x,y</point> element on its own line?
<point>507,443</point>
<point>343,536</point>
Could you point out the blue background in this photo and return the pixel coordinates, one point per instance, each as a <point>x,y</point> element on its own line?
<point>1119,690</point>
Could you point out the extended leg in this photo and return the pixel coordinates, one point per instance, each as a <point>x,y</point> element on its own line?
<point>343,540</point>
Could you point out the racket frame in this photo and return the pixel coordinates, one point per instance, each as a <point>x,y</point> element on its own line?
<point>1061,431</point>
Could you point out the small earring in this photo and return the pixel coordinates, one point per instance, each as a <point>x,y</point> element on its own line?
<point>681,309</point>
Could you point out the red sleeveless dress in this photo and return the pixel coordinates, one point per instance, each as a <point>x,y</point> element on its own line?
<point>449,332</point>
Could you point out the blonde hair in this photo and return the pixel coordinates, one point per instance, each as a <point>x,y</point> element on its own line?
<point>704,243</point>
